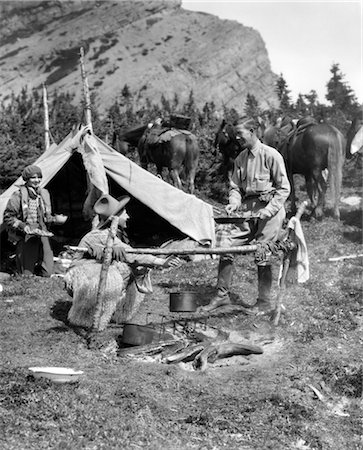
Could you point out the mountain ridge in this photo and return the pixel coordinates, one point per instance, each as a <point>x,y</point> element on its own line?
<point>156,48</point>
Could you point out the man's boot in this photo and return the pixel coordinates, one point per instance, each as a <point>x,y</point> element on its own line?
<point>264,301</point>
<point>225,273</point>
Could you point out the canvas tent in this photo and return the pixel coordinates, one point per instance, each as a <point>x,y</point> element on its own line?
<point>158,210</point>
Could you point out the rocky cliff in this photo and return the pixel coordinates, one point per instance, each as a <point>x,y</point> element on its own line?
<point>154,47</point>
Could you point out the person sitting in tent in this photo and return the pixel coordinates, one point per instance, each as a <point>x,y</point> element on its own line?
<point>28,216</point>
<point>125,288</point>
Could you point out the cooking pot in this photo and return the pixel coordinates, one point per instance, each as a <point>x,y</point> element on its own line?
<point>185,301</point>
<point>134,334</point>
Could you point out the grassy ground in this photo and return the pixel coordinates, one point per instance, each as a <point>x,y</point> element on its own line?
<point>303,392</point>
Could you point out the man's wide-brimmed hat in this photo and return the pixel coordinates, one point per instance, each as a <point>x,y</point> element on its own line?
<point>107,206</point>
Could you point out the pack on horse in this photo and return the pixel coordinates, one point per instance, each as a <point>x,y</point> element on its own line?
<point>175,149</point>
<point>308,149</point>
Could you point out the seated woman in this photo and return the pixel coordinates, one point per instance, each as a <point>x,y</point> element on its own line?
<point>123,293</point>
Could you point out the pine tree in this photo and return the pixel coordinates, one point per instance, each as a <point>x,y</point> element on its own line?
<point>251,108</point>
<point>340,93</point>
<point>301,108</point>
<point>165,104</point>
<point>312,98</point>
<point>283,94</point>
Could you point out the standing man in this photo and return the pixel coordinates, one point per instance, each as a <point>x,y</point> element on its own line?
<point>28,216</point>
<point>259,186</point>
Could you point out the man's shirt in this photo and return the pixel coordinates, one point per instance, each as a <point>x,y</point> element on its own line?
<point>260,170</point>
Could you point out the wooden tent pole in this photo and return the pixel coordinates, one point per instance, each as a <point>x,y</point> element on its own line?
<point>107,259</point>
<point>46,119</point>
<point>85,90</point>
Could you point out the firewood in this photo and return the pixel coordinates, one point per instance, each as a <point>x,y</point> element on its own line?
<point>185,355</point>
<point>146,349</point>
<point>231,349</point>
<point>172,349</point>
<point>213,352</point>
<point>201,361</point>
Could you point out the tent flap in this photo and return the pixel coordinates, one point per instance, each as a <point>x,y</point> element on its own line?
<point>190,215</point>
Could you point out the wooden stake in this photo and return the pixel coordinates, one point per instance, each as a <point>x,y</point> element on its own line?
<point>46,119</point>
<point>285,268</point>
<point>107,259</point>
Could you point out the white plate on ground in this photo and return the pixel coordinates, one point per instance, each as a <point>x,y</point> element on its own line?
<point>57,374</point>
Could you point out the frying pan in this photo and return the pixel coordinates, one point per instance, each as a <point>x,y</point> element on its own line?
<point>135,334</point>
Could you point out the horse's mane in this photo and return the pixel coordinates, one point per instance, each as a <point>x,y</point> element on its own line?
<point>133,135</point>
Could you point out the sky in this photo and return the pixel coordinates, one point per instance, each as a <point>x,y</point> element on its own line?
<point>303,38</point>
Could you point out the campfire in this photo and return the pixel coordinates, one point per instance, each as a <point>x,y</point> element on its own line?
<point>189,340</point>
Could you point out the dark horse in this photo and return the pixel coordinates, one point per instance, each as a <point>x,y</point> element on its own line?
<point>177,150</point>
<point>309,148</point>
<point>225,141</point>
<point>123,140</point>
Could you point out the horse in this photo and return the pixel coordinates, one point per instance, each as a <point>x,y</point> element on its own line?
<point>309,148</point>
<point>225,141</point>
<point>123,140</point>
<point>177,150</point>
<point>119,144</point>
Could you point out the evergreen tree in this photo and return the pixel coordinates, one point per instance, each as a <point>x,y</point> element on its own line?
<point>340,93</point>
<point>283,94</point>
<point>126,93</point>
<point>189,106</point>
<point>301,108</point>
<point>312,99</point>
<point>251,108</point>
<point>175,102</point>
<point>165,104</point>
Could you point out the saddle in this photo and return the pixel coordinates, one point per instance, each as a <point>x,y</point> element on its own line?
<point>162,134</point>
<point>301,126</point>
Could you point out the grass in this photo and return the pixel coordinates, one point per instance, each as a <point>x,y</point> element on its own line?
<point>260,402</point>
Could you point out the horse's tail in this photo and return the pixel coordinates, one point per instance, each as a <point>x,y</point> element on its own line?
<point>191,160</point>
<point>336,157</point>
<point>192,153</point>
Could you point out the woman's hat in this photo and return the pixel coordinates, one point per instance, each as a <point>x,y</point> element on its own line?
<point>31,171</point>
<point>107,206</point>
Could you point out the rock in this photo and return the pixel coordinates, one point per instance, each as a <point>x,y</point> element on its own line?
<point>156,48</point>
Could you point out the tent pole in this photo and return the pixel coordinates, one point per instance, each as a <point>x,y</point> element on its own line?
<point>85,90</point>
<point>102,305</point>
<point>46,118</point>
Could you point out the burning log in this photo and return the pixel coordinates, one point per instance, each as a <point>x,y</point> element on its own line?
<point>206,352</point>
<point>225,350</point>
<point>201,360</point>
<point>187,354</point>
<point>149,349</point>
